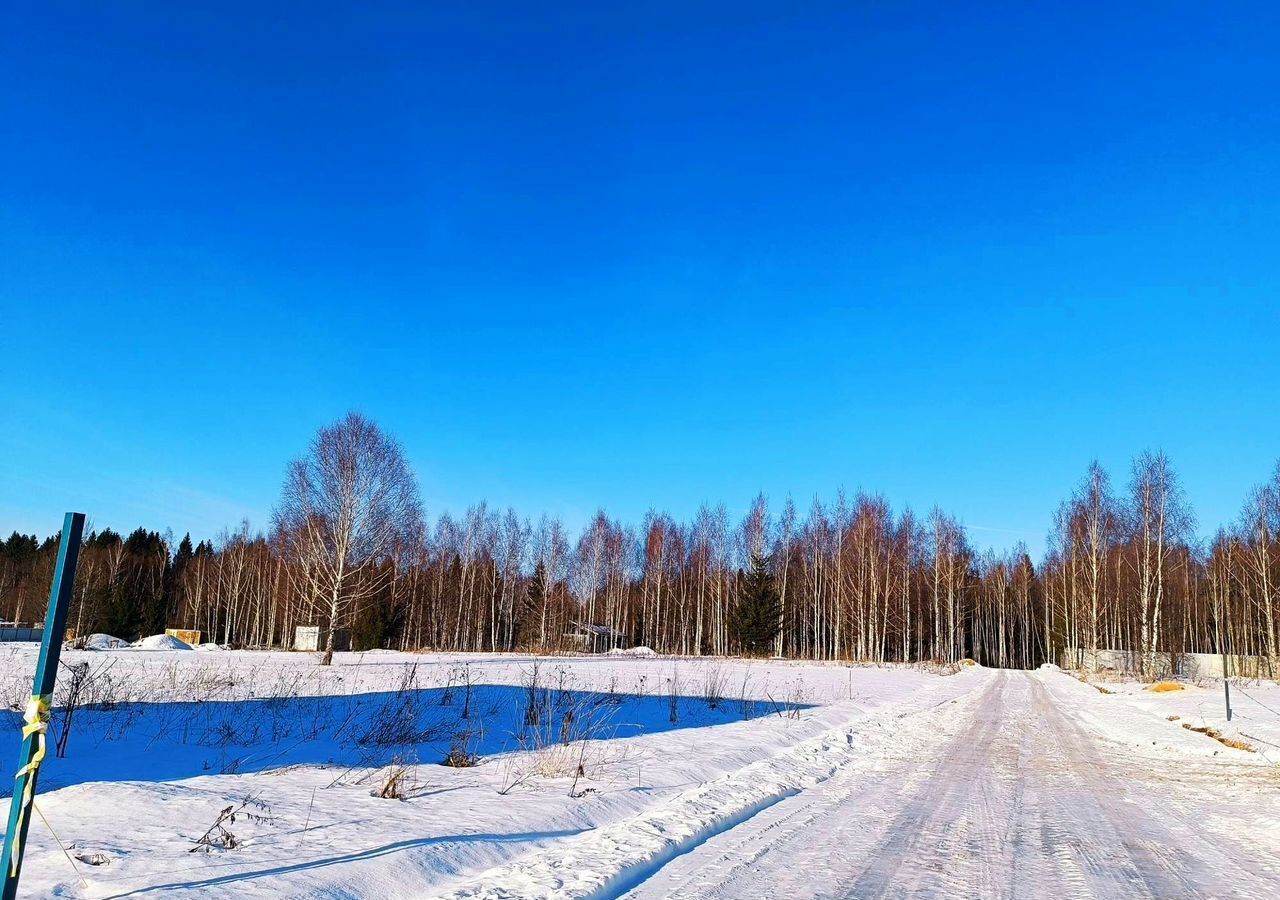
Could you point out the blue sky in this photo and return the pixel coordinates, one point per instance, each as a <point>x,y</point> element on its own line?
<point>576,257</point>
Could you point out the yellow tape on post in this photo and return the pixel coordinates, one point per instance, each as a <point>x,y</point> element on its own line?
<point>36,721</point>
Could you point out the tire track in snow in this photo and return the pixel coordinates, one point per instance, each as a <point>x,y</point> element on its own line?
<point>1011,798</point>
<point>907,837</point>
<point>605,863</point>
<point>795,829</point>
<point>734,873</point>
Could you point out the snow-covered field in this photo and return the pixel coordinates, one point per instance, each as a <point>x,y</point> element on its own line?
<point>164,741</point>
<point>645,777</point>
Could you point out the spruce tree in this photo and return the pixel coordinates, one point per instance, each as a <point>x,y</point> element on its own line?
<point>534,598</point>
<point>758,609</point>
<point>173,583</point>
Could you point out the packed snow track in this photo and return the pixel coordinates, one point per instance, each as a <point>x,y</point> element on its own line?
<point>1012,796</point>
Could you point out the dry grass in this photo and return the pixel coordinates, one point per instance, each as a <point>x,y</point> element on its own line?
<point>460,758</point>
<point>1237,745</point>
<point>1217,736</point>
<point>398,782</point>
<point>1083,678</point>
<point>1165,687</point>
<point>968,662</point>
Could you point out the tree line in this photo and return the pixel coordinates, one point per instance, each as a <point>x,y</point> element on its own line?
<point>852,579</point>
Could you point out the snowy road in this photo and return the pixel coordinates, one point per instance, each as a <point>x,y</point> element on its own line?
<point>1009,796</point>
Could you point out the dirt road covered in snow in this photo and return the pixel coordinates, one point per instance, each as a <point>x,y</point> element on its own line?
<point>1013,792</point>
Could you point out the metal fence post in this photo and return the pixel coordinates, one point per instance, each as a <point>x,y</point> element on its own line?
<point>36,718</point>
<point>1226,682</point>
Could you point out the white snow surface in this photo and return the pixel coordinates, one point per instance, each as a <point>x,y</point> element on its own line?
<point>775,779</point>
<point>104,642</point>
<point>162,642</point>
<point>1008,794</point>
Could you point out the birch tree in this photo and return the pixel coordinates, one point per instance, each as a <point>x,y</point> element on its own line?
<point>1260,532</point>
<point>347,505</point>
<point>1158,519</point>
<point>1094,510</point>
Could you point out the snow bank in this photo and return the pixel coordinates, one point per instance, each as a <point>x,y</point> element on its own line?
<point>121,760</point>
<point>208,645</point>
<point>104,642</point>
<point>633,651</point>
<point>1152,721</point>
<point>162,642</point>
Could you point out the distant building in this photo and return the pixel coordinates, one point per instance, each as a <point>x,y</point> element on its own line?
<point>587,638</point>
<point>313,637</point>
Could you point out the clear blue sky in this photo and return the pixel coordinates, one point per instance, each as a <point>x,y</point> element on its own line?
<point>573,256</point>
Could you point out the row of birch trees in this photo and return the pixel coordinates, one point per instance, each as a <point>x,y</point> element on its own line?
<point>351,547</point>
<point>1124,571</point>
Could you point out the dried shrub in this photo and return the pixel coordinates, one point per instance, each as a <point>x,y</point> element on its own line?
<point>398,781</point>
<point>461,754</point>
<point>714,684</point>
<point>562,741</point>
<point>219,836</point>
<point>395,722</point>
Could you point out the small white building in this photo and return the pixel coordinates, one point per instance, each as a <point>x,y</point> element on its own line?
<point>310,638</point>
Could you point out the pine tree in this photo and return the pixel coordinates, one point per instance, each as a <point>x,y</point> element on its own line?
<point>534,598</point>
<point>184,555</point>
<point>756,615</point>
<point>173,581</point>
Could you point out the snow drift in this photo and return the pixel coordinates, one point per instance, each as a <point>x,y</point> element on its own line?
<point>104,642</point>
<point>633,651</point>
<point>162,642</point>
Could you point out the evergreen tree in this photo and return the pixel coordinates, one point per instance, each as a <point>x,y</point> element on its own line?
<point>377,625</point>
<point>185,553</point>
<point>756,616</point>
<point>534,597</point>
<point>173,580</point>
<point>119,614</point>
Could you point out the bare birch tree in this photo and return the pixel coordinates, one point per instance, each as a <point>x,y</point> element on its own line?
<point>347,506</point>
<point>1095,511</point>
<point>1159,519</point>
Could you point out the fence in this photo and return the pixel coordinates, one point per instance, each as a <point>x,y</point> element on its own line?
<point>10,633</point>
<point>1187,665</point>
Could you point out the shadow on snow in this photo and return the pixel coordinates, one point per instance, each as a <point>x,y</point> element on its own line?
<point>166,741</point>
<point>354,856</point>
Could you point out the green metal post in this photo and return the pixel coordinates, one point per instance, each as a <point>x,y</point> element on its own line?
<point>33,743</point>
